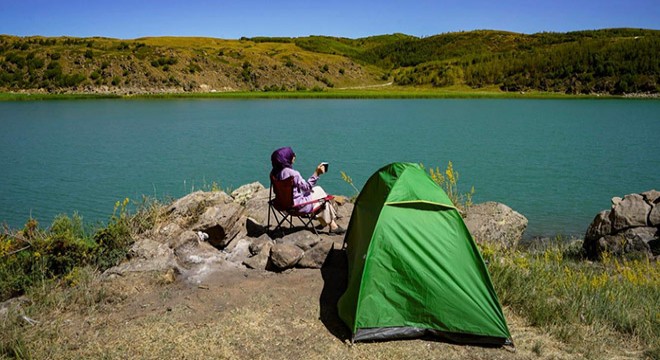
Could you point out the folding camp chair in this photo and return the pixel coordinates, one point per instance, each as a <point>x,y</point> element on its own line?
<point>283,210</point>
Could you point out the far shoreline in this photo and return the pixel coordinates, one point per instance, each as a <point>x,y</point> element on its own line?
<point>389,93</point>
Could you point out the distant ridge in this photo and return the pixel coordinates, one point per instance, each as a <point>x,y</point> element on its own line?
<point>607,61</point>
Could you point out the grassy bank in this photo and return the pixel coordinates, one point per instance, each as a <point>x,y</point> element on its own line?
<point>366,93</point>
<point>582,303</point>
<point>34,255</point>
<point>38,96</point>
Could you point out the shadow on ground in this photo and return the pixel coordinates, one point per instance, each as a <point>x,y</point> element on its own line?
<point>335,278</point>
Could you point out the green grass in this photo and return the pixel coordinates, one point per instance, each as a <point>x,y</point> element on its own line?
<point>33,97</point>
<point>367,93</point>
<point>580,302</point>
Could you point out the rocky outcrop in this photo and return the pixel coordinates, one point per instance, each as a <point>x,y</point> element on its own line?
<point>632,225</point>
<point>205,232</point>
<point>496,223</point>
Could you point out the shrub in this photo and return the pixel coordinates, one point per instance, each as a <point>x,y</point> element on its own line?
<point>33,255</point>
<point>113,240</point>
<point>66,245</point>
<point>89,54</point>
<point>15,59</point>
<point>327,82</point>
<point>448,181</point>
<point>35,63</point>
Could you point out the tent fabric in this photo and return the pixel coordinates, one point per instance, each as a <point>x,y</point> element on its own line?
<point>413,267</point>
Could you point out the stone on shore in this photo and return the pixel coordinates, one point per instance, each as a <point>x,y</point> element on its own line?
<point>493,222</point>
<point>631,226</point>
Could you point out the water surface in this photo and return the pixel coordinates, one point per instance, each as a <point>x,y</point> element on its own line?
<point>558,162</point>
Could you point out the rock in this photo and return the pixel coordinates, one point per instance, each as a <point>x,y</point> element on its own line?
<point>315,257</point>
<point>257,206</point>
<point>13,306</point>
<point>240,252</point>
<point>221,223</point>
<point>654,216</point>
<point>654,245</point>
<point>495,222</point>
<point>254,228</point>
<point>345,209</point>
<point>183,238</point>
<point>652,196</point>
<point>285,256</point>
<point>622,243</point>
<point>600,226</point>
<point>642,240</point>
<point>245,192</point>
<point>194,203</point>
<point>302,239</point>
<point>630,227</point>
<point>259,244</point>
<point>632,211</point>
<point>169,230</point>
<point>260,260</point>
<point>147,255</point>
<point>643,234</point>
<point>614,244</point>
<point>194,252</point>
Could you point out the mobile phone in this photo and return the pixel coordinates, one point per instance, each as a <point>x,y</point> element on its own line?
<point>325,166</point>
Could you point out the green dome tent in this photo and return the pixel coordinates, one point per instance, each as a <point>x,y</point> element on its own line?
<point>413,268</point>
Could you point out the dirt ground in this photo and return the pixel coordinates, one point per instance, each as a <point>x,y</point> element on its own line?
<point>243,314</point>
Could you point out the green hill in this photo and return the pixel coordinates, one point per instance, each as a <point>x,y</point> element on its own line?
<point>610,61</point>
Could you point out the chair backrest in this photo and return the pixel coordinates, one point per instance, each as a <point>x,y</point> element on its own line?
<point>283,190</point>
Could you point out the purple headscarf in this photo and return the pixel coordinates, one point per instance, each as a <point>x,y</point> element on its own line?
<point>281,158</point>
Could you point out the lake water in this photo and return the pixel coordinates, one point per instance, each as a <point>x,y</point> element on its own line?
<point>558,162</point>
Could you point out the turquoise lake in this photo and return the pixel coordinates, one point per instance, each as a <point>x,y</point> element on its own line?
<point>558,162</point>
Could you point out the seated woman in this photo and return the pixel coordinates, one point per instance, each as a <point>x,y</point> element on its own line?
<point>282,160</point>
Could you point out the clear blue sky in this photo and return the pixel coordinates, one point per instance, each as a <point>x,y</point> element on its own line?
<point>356,18</point>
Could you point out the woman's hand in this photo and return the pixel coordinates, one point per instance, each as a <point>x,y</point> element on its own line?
<point>319,170</point>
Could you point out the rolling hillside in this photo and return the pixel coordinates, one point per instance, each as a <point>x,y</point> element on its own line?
<point>610,61</point>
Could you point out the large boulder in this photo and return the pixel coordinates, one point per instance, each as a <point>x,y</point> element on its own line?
<point>245,192</point>
<point>629,227</point>
<point>221,223</point>
<point>303,239</point>
<point>495,222</point>
<point>632,211</point>
<point>285,256</point>
<point>315,257</point>
<point>147,255</point>
<point>600,226</point>
<point>194,204</point>
<point>653,198</point>
<point>259,261</point>
<point>257,206</point>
